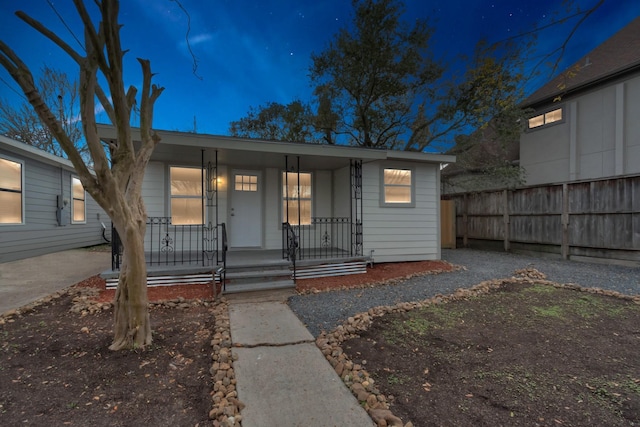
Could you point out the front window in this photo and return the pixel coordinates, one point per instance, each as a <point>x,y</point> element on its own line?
<point>546,118</point>
<point>397,187</point>
<point>186,196</point>
<point>296,198</point>
<point>78,207</point>
<point>11,192</point>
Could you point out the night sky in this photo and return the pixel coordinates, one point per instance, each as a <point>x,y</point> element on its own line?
<point>253,52</point>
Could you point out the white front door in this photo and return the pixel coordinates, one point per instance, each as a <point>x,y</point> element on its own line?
<point>245,211</point>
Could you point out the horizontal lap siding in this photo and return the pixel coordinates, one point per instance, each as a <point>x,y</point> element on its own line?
<point>153,189</point>
<point>401,234</point>
<point>41,234</point>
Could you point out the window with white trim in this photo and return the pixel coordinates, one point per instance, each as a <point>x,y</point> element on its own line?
<point>397,187</point>
<point>186,195</point>
<point>11,192</point>
<point>79,204</point>
<point>246,183</point>
<point>547,118</point>
<point>296,194</point>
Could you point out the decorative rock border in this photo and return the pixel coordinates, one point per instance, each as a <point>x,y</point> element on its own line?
<point>226,405</point>
<point>358,380</point>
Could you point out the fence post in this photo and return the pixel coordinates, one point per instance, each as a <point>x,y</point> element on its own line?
<point>564,249</point>
<point>465,224</point>
<point>505,218</point>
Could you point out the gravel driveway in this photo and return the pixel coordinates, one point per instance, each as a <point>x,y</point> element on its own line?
<point>325,311</point>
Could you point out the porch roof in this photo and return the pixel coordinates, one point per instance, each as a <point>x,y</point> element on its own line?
<point>242,152</point>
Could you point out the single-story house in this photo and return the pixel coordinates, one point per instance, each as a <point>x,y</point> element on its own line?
<point>206,193</point>
<point>43,207</point>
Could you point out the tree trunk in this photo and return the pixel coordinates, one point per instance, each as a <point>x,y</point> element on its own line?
<point>132,328</point>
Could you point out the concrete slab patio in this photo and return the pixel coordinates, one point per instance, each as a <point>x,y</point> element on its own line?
<point>282,377</point>
<point>28,280</point>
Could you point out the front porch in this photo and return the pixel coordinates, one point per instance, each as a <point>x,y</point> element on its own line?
<point>199,254</point>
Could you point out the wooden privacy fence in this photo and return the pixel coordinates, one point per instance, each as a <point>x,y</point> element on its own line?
<point>599,219</point>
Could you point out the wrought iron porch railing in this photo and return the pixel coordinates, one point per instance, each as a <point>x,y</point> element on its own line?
<point>223,256</point>
<point>169,244</point>
<point>325,237</point>
<point>289,246</point>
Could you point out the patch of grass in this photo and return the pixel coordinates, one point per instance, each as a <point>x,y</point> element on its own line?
<point>590,306</point>
<point>541,289</point>
<point>397,379</point>
<point>554,311</point>
<point>419,322</point>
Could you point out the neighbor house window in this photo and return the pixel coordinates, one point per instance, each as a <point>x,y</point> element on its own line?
<point>296,198</point>
<point>11,192</point>
<point>186,195</point>
<point>546,118</point>
<point>79,206</point>
<point>397,187</point>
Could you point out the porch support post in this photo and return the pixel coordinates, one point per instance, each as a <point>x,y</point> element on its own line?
<point>203,189</point>
<point>203,195</point>
<point>286,183</point>
<point>357,243</point>
<point>299,215</point>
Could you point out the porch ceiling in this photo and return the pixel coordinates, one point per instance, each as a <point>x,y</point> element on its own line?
<point>187,148</point>
<point>239,158</point>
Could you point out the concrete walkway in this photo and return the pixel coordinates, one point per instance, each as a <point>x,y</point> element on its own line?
<point>282,377</point>
<point>27,280</point>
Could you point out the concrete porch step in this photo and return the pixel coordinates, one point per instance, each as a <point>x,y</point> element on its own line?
<point>235,274</point>
<point>270,285</point>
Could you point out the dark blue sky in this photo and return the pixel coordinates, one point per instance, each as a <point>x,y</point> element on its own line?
<point>253,52</point>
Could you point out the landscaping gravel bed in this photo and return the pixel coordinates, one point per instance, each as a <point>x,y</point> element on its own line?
<point>326,310</point>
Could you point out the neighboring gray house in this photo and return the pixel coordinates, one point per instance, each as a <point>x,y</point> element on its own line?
<point>339,201</point>
<point>586,122</point>
<point>43,207</point>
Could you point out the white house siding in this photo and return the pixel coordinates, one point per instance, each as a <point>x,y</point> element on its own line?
<point>598,138</point>
<point>153,189</point>
<point>544,153</point>
<point>40,234</point>
<point>342,192</point>
<point>223,195</point>
<point>402,233</point>
<point>631,125</point>
<point>596,134</point>
<point>273,212</point>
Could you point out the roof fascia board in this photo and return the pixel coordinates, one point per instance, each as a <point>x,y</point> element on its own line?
<point>21,148</point>
<point>598,81</point>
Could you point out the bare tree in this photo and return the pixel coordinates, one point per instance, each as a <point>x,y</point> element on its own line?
<point>117,189</point>
<point>22,123</point>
